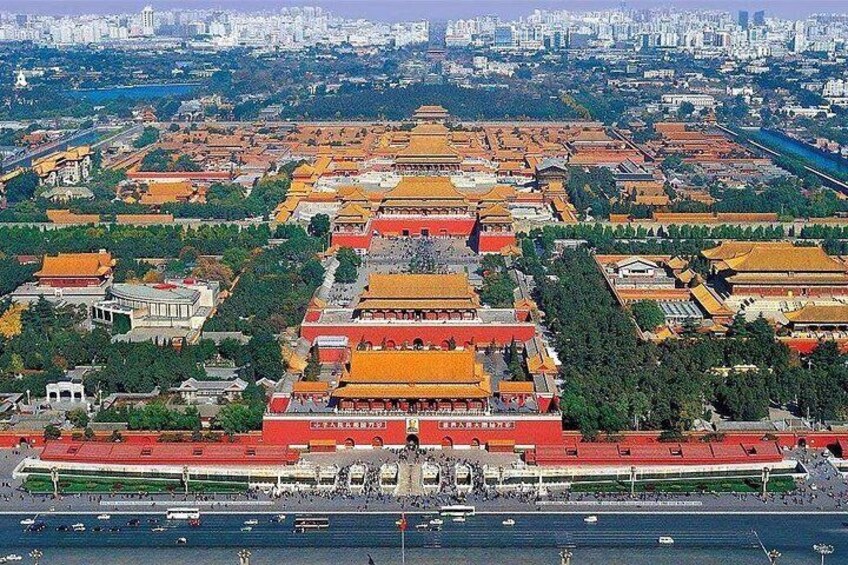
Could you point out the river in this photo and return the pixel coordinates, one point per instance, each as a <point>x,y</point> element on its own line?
<point>483,539</point>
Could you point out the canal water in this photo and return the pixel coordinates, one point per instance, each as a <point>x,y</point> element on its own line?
<point>138,92</point>
<point>827,163</point>
<point>483,539</point>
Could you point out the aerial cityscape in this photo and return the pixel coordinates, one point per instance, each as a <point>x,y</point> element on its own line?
<point>424,282</point>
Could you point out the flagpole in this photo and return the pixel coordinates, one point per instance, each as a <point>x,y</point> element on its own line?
<point>402,527</point>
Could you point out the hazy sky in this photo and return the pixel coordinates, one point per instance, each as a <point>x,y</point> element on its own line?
<point>413,9</point>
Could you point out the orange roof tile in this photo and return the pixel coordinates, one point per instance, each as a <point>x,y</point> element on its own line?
<point>77,264</point>
<point>399,291</point>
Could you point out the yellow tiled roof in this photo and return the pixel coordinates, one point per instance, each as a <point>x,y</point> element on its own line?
<point>412,366</point>
<point>77,264</point>
<point>424,188</point>
<point>352,213</point>
<point>709,302</point>
<point>730,249</point>
<point>495,212</point>
<point>415,374</point>
<point>785,259</point>
<point>411,391</point>
<point>419,286</point>
<point>516,387</point>
<point>821,314</point>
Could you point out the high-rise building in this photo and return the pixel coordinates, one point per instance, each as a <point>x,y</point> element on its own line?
<point>760,18</point>
<point>743,19</point>
<point>147,20</point>
<point>504,36</point>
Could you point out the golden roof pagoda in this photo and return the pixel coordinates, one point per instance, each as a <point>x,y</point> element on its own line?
<point>414,374</point>
<point>77,265</point>
<point>418,292</point>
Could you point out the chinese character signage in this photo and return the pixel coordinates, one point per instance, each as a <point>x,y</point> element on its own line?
<point>346,425</point>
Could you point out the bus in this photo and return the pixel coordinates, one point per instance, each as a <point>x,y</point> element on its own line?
<point>457,510</point>
<point>182,514</point>
<point>310,524</point>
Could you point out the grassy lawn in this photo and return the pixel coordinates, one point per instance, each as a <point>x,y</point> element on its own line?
<point>778,484</point>
<point>38,484</point>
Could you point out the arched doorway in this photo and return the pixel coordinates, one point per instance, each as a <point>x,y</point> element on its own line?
<point>475,442</point>
<point>350,443</point>
<point>412,441</point>
<point>447,443</point>
<point>418,344</point>
<point>802,443</point>
<point>377,442</point>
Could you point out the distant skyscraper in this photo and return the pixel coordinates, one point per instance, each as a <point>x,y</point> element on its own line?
<point>743,19</point>
<point>760,18</point>
<point>503,36</point>
<point>147,20</point>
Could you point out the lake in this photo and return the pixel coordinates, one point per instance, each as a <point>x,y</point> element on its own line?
<point>136,92</point>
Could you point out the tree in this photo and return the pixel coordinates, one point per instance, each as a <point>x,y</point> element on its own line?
<point>685,109</point>
<point>515,363</point>
<point>313,365</point>
<point>349,262</point>
<point>88,434</point>
<point>648,315</point>
<point>238,418</point>
<point>319,225</point>
<point>213,270</point>
<point>266,359</point>
<point>148,136</point>
<point>51,432</point>
<point>22,187</point>
<point>78,418</point>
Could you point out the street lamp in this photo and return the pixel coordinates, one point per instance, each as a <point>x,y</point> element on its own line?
<point>823,549</point>
<point>773,555</point>
<point>565,557</point>
<point>244,557</point>
<point>36,555</point>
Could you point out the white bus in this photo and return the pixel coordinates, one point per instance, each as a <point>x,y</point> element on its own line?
<point>457,510</point>
<point>182,514</point>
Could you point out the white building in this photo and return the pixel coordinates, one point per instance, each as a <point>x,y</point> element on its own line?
<point>173,304</point>
<point>699,101</point>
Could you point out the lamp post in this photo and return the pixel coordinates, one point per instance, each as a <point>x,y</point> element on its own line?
<point>823,549</point>
<point>54,477</point>
<point>565,557</point>
<point>773,555</point>
<point>632,481</point>
<point>244,557</point>
<point>36,555</point>
<point>186,478</point>
<point>765,480</point>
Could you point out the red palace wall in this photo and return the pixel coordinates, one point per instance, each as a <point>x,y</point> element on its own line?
<point>352,240</point>
<point>494,242</point>
<point>69,282</point>
<point>452,227</point>
<point>743,290</point>
<point>432,431</point>
<point>430,334</point>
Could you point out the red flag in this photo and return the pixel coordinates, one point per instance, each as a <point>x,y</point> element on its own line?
<point>402,523</point>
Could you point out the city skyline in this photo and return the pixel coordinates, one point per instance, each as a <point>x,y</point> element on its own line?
<point>394,10</point>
